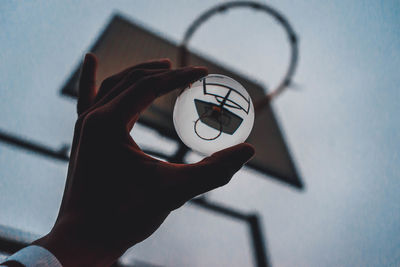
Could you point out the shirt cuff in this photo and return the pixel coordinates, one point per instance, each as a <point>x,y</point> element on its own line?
<point>34,256</point>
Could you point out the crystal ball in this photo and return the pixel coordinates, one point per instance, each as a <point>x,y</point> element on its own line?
<point>213,113</point>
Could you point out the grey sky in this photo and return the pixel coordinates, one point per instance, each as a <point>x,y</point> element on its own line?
<point>341,124</point>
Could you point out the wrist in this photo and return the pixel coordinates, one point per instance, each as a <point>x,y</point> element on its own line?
<point>71,248</point>
<point>12,264</point>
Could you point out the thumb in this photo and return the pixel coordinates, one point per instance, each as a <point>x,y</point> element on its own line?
<point>213,171</point>
<point>225,163</point>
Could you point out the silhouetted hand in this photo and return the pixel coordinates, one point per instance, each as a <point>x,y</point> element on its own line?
<point>116,195</point>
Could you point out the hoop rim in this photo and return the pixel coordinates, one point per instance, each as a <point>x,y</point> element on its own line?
<point>285,82</point>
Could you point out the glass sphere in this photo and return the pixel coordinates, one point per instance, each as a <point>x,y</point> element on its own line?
<point>213,113</point>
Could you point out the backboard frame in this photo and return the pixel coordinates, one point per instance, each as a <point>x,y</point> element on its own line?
<point>70,89</point>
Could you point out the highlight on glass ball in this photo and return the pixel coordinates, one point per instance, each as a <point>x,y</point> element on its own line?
<point>213,113</point>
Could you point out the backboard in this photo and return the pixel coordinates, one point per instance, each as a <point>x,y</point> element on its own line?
<point>124,43</point>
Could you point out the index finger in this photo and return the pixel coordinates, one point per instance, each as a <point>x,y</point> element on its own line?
<point>135,99</point>
<point>110,82</point>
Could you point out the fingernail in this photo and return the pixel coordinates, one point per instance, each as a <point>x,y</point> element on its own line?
<point>200,68</point>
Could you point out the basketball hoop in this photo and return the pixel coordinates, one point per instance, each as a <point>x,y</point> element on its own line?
<point>287,78</point>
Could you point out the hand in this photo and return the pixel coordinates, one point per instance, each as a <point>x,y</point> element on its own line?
<point>116,195</point>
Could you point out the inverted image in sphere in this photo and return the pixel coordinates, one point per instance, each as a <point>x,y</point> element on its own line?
<point>213,113</point>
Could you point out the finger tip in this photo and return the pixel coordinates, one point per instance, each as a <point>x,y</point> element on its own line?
<point>240,152</point>
<point>203,71</point>
<point>248,150</point>
<point>90,58</point>
<point>88,55</point>
<point>166,61</point>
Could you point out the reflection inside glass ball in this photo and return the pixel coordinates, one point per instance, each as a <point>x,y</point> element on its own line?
<point>213,113</point>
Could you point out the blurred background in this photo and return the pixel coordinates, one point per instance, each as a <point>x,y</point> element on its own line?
<point>339,120</point>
